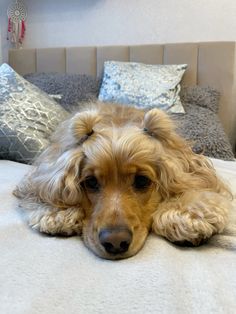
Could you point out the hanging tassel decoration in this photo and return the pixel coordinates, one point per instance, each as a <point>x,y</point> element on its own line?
<point>22,33</point>
<point>9,29</point>
<point>17,14</point>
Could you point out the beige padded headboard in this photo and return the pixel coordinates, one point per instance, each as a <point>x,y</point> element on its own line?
<point>212,63</point>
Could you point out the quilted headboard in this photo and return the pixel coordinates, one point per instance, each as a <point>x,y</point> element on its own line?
<point>209,63</point>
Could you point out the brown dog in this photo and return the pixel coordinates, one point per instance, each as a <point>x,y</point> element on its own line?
<point>113,173</point>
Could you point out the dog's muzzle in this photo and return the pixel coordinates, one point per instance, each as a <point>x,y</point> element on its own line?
<point>115,240</point>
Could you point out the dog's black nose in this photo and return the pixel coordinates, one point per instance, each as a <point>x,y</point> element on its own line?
<point>115,240</point>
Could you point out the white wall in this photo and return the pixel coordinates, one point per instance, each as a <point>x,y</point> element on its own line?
<point>4,44</point>
<point>0,47</point>
<point>54,23</point>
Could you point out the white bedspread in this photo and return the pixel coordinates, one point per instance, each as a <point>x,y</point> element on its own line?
<point>40,274</point>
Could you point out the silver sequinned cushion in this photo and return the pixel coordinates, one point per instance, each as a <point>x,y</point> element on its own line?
<point>28,116</point>
<point>143,85</point>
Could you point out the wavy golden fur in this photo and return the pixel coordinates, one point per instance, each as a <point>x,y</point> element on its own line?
<point>114,173</point>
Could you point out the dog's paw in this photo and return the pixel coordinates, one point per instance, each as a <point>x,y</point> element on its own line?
<point>19,192</point>
<point>194,222</point>
<point>181,227</point>
<point>61,222</point>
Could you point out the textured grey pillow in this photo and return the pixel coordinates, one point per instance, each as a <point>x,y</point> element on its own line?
<point>201,124</point>
<point>206,97</point>
<point>204,130</point>
<point>73,88</point>
<point>28,117</point>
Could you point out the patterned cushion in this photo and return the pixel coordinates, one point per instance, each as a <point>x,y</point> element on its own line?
<point>28,116</point>
<point>143,85</point>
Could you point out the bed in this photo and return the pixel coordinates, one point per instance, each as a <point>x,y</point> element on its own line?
<point>43,274</point>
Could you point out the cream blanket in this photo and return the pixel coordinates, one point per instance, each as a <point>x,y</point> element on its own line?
<point>40,274</point>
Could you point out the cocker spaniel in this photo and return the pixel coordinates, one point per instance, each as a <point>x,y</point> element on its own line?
<point>114,173</point>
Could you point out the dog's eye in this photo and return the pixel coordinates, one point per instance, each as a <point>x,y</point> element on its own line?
<point>141,182</point>
<point>91,184</point>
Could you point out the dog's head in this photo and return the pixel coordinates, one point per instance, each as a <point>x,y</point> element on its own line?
<point>117,164</point>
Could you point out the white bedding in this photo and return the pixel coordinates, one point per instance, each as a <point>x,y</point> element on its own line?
<point>40,274</point>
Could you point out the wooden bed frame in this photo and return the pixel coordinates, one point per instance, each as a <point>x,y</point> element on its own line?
<point>209,64</point>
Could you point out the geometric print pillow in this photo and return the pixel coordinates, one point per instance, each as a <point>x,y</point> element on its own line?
<point>28,117</point>
<point>145,86</point>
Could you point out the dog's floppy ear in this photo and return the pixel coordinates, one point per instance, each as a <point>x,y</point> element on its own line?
<point>57,174</point>
<point>157,124</point>
<point>57,182</point>
<point>176,163</point>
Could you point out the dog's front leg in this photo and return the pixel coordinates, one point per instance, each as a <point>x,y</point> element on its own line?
<point>193,217</point>
<point>47,219</point>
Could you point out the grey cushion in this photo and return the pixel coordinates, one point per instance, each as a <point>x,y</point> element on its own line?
<point>203,128</point>
<point>201,124</point>
<point>206,97</point>
<point>73,88</point>
<point>28,117</point>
